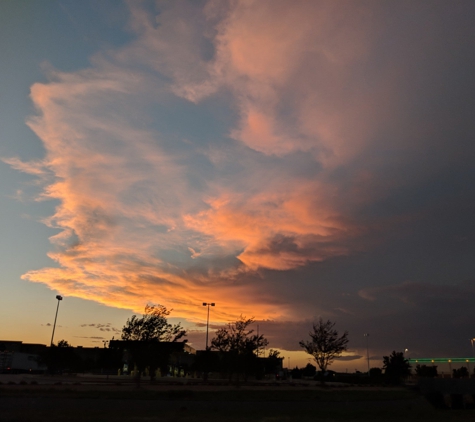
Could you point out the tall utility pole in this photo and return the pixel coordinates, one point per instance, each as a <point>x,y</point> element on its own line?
<point>367,349</point>
<point>207,321</point>
<point>60,298</point>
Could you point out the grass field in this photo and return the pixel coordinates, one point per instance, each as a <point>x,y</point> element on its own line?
<point>37,403</point>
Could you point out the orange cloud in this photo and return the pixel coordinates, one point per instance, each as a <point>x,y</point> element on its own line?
<point>122,239</point>
<point>275,230</point>
<point>139,220</point>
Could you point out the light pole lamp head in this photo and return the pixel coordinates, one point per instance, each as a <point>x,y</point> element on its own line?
<point>205,304</point>
<point>212,304</point>
<point>59,297</point>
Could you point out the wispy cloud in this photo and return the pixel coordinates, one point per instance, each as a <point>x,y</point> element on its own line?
<point>139,220</point>
<point>91,337</point>
<point>233,145</point>
<point>36,168</point>
<point>102,327</point>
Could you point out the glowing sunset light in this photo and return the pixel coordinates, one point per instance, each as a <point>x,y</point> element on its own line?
<point>288,160</point>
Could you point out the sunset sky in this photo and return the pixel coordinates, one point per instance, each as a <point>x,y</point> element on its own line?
<point>288,160</point>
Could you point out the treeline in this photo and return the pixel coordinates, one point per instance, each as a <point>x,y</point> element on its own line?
<point>150,345</point>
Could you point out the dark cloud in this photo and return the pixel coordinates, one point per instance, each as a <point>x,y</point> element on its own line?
<point>91,337</point>
<point>349,357</point>
<point>102,327</point>
<point>429,319</point>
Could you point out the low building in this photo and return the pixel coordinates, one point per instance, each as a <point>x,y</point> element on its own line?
<point>19,357</point>
<point>154,357</point>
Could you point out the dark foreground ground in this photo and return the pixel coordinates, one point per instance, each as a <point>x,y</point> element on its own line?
<point>52,400</point>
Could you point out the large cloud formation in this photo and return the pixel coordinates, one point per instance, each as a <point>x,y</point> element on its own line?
<point>241,151</point>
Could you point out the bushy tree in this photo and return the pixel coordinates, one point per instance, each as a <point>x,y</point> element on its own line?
<point>309,370</point>
<point>396,367</point>
<point>273,363</point>
<point>238,346</point>
<point>325,344</point>
<point>461,372</point>
<point>145,335</point>
<point>152,326</point>
<point>237,337</point>
<point>63,343</point>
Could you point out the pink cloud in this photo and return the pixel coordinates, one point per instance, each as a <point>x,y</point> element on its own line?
<point>275,230</point>
<point>134,228</point>
<point>302,54</point>
<point>108,248</point>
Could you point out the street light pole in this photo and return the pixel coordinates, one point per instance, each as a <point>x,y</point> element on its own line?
<point>60,298</point>
<point>367,349</point>
<point>207,321</point>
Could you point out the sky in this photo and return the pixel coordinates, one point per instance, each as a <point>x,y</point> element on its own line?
<point>286,160</point>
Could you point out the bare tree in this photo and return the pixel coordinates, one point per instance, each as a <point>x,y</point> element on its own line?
<point>325,344</point>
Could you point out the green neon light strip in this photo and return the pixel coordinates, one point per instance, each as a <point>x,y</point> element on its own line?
<point>442,360</point>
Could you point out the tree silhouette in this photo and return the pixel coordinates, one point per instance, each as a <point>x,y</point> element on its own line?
<point>63,343</point>
<point>273,363</point>
<point>152,326</point>
<point>396,367</point>
<point>309,370</point>
<point>238,345</point>
<point>146,336</point>
<point>325,344</point>
<point>461,372</point>
<point>426,371</point>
